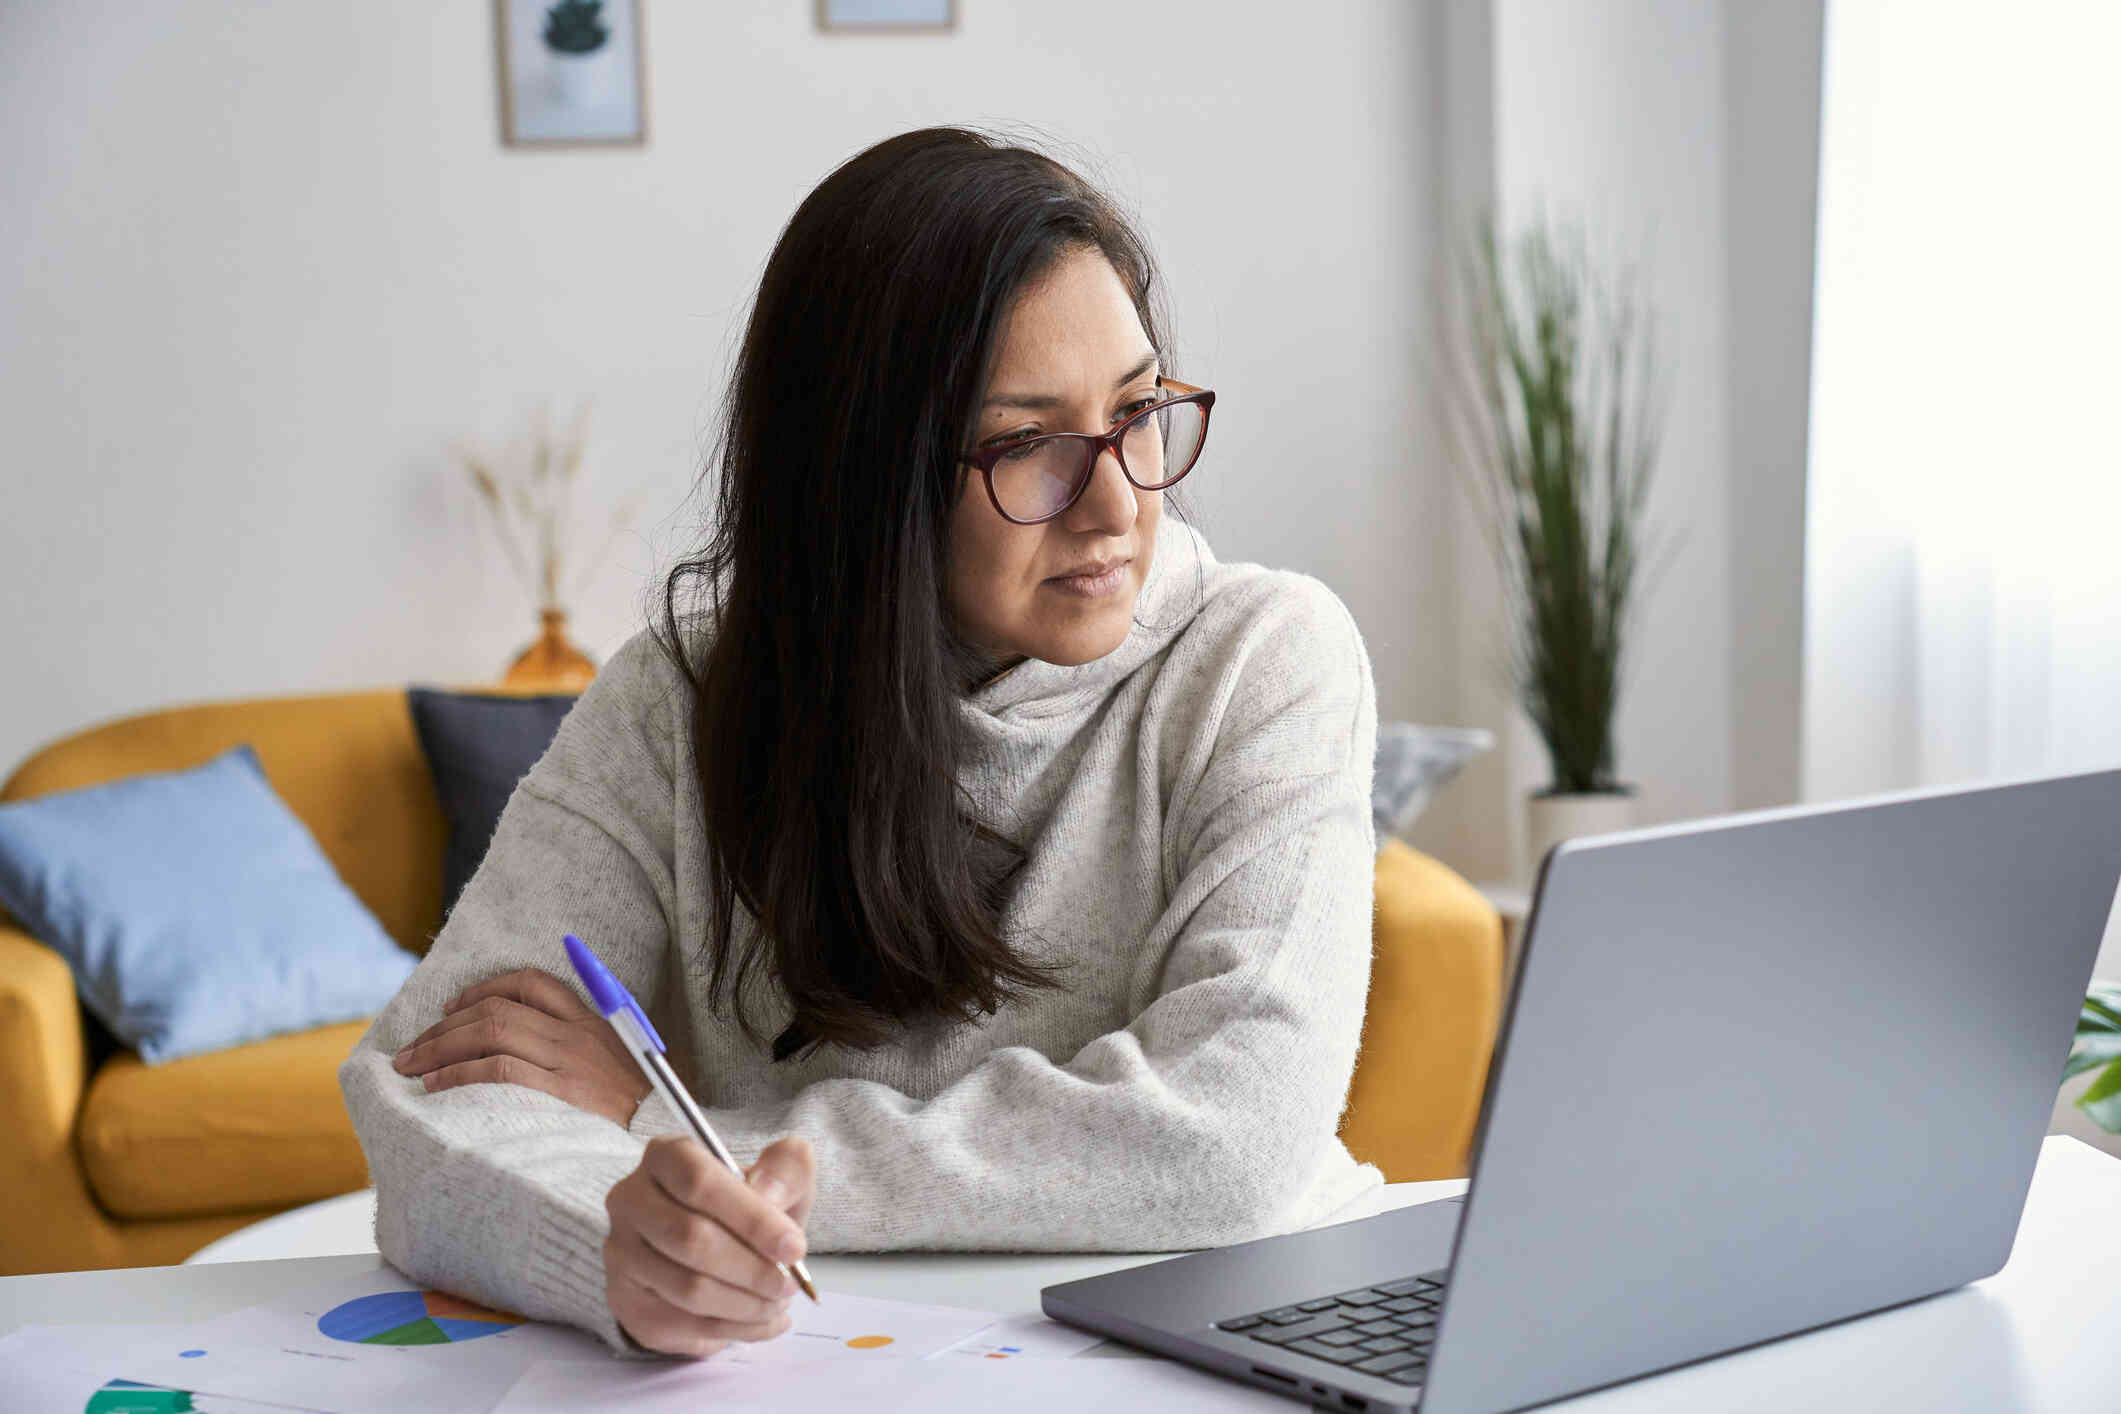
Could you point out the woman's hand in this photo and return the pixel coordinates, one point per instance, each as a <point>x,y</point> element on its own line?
<point>529,1028</point>
<point>690,1262</point>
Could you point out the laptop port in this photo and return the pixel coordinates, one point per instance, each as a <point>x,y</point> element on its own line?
<point>1277,1375</point>
<point>1354,1401</point>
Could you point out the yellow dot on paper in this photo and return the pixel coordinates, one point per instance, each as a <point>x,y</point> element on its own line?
<point>868,1342</point>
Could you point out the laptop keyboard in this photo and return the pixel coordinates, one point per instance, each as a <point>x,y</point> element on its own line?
<point>1380,1330</point>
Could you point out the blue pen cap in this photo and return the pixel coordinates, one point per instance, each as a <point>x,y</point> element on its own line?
<point>607,991</point>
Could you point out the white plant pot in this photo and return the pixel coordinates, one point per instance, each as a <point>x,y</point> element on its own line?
<point>577,80</point>
<point>1550,819</point>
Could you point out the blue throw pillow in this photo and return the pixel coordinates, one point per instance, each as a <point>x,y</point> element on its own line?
<point>478,746</point>
<point>195,910</point>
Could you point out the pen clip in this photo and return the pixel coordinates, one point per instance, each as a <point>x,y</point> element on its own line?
<point>607,991</point>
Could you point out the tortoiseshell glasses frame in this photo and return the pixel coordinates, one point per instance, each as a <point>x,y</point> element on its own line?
<point>1177,414</point>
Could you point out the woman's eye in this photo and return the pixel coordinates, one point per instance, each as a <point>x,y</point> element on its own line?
<point>1018,450</point>
<point>1135,408</point>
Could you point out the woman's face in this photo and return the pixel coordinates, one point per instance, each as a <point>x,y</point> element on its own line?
<point>1073,358</point>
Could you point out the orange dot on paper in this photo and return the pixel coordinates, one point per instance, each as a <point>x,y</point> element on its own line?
<point>996,1355</point>
<point>868,1342</point>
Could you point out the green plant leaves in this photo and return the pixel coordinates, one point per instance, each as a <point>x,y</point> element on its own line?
<point>1561,420</point>
<point>2098,1044</point>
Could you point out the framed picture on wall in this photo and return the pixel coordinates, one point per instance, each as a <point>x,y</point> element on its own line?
<point>570,72</point>
<point>887,14</point>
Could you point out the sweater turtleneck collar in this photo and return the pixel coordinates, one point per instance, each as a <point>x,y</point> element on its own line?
<point>1166,604</point>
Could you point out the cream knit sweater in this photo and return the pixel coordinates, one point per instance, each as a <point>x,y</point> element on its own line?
<point>1195,806</point>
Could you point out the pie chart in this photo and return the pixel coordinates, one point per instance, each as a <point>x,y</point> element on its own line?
<point>412,1318</point>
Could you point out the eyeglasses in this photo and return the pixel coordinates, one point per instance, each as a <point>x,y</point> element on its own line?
<point>1038,478</point>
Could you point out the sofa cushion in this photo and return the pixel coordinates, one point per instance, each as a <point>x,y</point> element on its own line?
<point>1413,763</point>
<point>478,745</point>
<point>253,1126</point>
<point>347,764</point>
<point>1435,999</point>
<point>195,910</point>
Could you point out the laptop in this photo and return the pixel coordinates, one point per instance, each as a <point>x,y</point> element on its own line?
<point>1757,1074</point>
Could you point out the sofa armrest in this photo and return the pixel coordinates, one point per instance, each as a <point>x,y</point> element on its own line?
<point>43,1055</point>
<point>43,1070</point>
<point>1428,1032</point>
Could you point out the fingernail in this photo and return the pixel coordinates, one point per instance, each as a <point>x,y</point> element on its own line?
<point>399,1058</point>
<point>789,1248</point>
<point>773,1191</point>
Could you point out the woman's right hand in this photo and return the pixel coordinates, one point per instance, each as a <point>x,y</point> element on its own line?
<point>690,1262</point>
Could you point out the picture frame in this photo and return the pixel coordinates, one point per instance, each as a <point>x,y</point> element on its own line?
<point>571,73</point>
<point>892,16</point>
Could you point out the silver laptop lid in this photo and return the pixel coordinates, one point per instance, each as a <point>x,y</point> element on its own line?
<point>1770,1071</point>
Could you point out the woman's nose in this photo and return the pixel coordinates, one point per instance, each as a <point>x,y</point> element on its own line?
<point>1107,503</point>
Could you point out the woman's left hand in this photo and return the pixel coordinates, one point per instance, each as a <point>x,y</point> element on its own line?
<point>529,1028</point>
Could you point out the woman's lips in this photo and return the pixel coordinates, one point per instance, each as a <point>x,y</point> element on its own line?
<point>1095,585</point>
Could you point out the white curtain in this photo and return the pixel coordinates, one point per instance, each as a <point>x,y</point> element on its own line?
<point>1963,556</point>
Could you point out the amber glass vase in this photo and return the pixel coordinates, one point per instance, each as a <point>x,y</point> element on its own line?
<point>552,663</point>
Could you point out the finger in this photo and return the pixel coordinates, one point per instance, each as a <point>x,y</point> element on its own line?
<point>495,1070</point>
<point>746,1232</point>
<point>529,986</point>
<point>493,1027</point>
<point>699,1243</point>
<point>689,1174</point>
<point>655,1324</point>
<point>658,1325</point>
<point>694,1292</point>
<point>464,1016</point>
<point>785,1176</point>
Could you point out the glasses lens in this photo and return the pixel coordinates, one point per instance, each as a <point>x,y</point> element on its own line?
<point>1036,479</point>
<point>1163,446</point>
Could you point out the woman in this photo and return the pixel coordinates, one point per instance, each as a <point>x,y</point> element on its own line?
<point>996,864</point>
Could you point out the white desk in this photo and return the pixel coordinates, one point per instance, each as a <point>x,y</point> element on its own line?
<point>2043,1334</point>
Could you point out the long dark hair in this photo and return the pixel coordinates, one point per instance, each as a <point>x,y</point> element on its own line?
<point>825,703</point>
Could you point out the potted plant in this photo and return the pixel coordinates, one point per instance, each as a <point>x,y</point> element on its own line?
<point>574,36</point>
<point>1557,412</point>
<point>529,495</point>
<point>2098,1045</point>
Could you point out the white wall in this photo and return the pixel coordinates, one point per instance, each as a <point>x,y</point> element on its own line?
<point>1617,111</point>
<point>257,274</point>
<point>255,279</point>
<point>1773,57</point>
<point>1618,114</point>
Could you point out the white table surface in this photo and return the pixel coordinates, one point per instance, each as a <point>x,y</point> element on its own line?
<point>2042,1334</point>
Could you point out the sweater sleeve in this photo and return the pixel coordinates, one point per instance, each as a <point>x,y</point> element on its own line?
<point>1211,1117</point>
<point>496,1191</point>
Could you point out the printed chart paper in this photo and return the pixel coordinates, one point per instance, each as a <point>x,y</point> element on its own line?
<point>68,1370</point>
<point>1026,1338</point>
<point>861,1329</point>
<point>944,1386</point>
<point>373,1344</point>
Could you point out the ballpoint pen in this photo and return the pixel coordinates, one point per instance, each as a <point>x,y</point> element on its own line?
<point>634,1028</point>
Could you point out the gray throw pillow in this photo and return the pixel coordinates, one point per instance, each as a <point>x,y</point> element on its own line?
<point>1412,763</point>
<point>478,745</point>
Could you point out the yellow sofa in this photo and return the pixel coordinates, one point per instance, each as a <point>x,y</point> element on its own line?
<point>113,1163</point>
